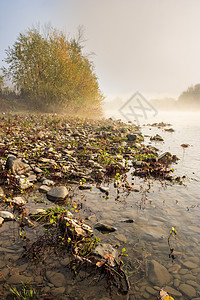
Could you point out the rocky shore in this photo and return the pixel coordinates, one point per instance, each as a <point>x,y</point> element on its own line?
<point>44,160</point>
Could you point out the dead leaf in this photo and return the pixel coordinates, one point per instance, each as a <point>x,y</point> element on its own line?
<point>99,264</point>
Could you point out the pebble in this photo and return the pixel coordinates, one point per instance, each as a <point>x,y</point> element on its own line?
<point>1,221</point>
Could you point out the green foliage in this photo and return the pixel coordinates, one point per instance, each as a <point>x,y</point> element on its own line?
<point>50,71</point>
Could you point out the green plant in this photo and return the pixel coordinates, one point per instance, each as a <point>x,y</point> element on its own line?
<point>25,292</point>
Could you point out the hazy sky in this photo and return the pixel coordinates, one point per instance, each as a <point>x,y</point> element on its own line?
<point>151,46</point>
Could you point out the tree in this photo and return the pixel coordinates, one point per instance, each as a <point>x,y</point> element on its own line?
<point>191,97</point>
<point>51,72</point>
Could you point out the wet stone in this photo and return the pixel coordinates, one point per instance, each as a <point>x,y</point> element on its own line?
<point>57,279</point>
<point>58,193</point>
<point>16,279</point>
<point>188,290</point>
<point>158,274</point>
<point>172,291</point>
<point>190,265</point>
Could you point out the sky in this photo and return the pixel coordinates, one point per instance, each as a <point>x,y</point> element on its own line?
<point>150,46</point>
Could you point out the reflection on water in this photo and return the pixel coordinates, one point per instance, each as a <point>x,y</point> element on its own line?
<point>154,210</point>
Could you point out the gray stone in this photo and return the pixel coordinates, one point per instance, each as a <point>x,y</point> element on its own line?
<point>158,274</point>
<point>104,227</point>
<point>57,193</point>
<point>188,290</point>
<point>16,166</point>
<point>6,215</point>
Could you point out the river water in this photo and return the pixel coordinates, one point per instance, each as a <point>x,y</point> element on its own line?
<point>155,209</point>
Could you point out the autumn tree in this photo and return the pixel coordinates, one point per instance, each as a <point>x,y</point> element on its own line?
<point>52,73</point>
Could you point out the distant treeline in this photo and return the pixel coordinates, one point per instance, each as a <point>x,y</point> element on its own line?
<point>188,100</point>
<point>49,73</point>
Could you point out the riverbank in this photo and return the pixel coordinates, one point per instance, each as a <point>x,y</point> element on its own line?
<point>48,160</point>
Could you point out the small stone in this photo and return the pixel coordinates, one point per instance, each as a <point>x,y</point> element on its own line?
<point>188,290</point>
<point>6,215</point>
<point>1,221</point>
<point>58,193</point>
<point>44,189</point>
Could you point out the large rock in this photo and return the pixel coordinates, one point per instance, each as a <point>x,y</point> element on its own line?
<point>16,166</point>
<point>57,193</point>
<point>158,274</point>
